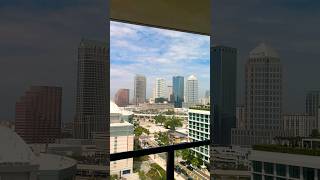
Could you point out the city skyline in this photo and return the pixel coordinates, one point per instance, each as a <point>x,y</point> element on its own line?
<point>156,53</point>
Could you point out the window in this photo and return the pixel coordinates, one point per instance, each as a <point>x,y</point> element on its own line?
<point>126,171</point>
<point>268,177</point>
<point>281,169</point>
<point>257,177</point>
<point>268,168</point>
<point>308,173</point>
<point>294,171</point>
<point>257,166</point>
<point>138,59</point>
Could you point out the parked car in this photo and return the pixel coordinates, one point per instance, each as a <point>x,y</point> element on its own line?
<point>190,168</point>
<point>183,163</point>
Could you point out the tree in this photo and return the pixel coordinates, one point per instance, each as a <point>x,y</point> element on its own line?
<point>173,122</point>
<point>162,138</point>
<point>169,112</point>
<point>139,130</point>
<point>197,160</point>
<point>160,119</point>
<point>114,177</point>
<point>186,155</point>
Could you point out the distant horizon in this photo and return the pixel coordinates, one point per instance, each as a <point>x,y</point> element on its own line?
<point>156,53</point>
<point>150,85</point>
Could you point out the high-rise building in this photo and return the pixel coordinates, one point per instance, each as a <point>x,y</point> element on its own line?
<point>140,85</point>
<point>199,129</point>
<point>313,105</point>
<point>121,98</point>
<point>91,96</point>
<point>224,68</point>
<point>38,114</point>
<point>170,93</point>
<point>263,88</point>
<point>207,94</point>
<point>192,88</point>
<point>263,98</point>
<point>178,90</point>
<point>160,88</point>
<point>241,117</point>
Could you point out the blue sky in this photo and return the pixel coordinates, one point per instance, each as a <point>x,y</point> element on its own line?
<point>156,53</point>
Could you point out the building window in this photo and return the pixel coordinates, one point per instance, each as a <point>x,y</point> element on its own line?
<point>257,166</point>
<point>281,170</point>
<point>126,171</point>
<point>308,173</point>
<point>268,177</point>
<point>257,177</point>
<point>294,171</point>
<point>268,168</point>
<point>279,178</point>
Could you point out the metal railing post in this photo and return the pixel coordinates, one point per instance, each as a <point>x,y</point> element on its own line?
<point>170,165</point>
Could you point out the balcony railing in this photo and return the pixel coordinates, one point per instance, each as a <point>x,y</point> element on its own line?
<point>168,149</point>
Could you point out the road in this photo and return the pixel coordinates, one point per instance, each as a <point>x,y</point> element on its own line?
<point>195,174</point>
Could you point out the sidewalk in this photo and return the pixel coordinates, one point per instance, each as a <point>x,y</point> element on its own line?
<point>162,163</point>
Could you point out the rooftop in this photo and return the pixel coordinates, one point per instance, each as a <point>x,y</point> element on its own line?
<point>114,109</point>
<point>286,149</point>
<point>201,107</point>
<point>192,78</point>
<point>263,50</point>
<point>13,148</point>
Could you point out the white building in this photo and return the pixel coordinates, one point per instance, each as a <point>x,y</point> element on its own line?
<point>276,165</point>
<point>192,89</point>
<point>121,140</point>
<point>160,88</point>
<point>199,129</point>
<point>19,162</point>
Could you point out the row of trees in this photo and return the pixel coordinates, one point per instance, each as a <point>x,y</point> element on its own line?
<point>190,157</point>
<point>162,138</point>
<point>169,123</point>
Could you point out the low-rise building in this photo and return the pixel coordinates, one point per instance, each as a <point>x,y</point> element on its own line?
<point>284,162</point>
<point>19,162</point>
<point>121,140</point>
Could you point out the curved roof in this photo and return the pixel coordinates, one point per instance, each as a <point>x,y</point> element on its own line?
<point>263,50</point>
<point>192,78</point>
<point>54,162</point>
<point>114,109</point>
<point>13,148</point>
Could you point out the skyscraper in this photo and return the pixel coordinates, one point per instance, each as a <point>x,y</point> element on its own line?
<point>313,106</point>
<point>178,90</point>
<point>170,93</point>
<point>160,88</point>
<point>224,69</point>
<point>140,85</point>
<point>192,89</point>
<point>263,88</point>
<point>263,98</point>
<point>121,98</point>
<point>38,114</point>
<point>91,98</point>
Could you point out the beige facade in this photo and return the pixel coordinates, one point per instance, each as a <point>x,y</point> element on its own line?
<point>121,140</point>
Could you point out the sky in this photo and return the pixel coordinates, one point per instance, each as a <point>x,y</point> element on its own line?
<point>290,26</point>
<point>39,40</point>
<point>156,53</point>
